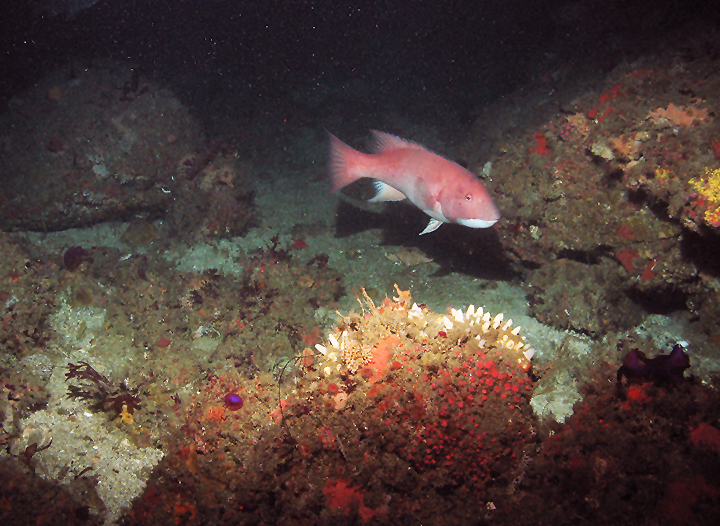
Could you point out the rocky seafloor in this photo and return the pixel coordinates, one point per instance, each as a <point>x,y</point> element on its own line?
<point>238,347</point>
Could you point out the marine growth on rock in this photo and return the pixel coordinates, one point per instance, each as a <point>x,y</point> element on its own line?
<point>401,416</point>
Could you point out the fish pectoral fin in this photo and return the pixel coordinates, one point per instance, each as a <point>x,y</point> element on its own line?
<point>385,192</point>
<point>433,225</point>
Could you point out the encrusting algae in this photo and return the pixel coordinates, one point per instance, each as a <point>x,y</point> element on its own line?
<point>402,416</point>
<point>435,404</point>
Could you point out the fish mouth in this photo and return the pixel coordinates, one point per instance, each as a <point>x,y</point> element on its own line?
<point>476,223</point>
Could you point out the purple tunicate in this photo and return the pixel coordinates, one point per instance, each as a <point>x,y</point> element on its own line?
<point>233,401</point>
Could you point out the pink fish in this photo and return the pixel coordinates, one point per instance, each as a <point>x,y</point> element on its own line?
<point>402,169</point>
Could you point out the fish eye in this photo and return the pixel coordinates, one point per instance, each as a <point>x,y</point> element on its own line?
<point>468,197</point>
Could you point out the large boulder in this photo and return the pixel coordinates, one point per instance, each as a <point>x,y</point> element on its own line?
<point>92,144</point>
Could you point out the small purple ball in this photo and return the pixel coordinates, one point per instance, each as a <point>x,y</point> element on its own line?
<point>233,401</point>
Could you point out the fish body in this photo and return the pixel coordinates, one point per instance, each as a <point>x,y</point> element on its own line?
<point>402,169</point>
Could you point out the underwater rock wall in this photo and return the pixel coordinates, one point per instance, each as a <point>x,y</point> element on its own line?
<point>101,142</point>
<point>624,181</point>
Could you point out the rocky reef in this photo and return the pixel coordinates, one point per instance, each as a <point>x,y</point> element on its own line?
<point>101,142</point>
<point>400,415</point>
<point>619,185</point>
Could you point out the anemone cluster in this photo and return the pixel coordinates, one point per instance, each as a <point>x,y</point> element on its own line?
<point>406,397</point>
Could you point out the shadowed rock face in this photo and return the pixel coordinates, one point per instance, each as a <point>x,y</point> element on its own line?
<point>621,182</point>
<point>90,145</point>
<point>101,143</point>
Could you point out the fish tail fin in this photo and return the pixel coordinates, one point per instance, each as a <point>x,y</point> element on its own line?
<point>342,160</point>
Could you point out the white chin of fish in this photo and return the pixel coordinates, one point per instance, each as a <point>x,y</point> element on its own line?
<point>476,223</point>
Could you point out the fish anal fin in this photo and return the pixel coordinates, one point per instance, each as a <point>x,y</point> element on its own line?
<point>433,225</point>
<point>387,141</point>
<point>385,192</point>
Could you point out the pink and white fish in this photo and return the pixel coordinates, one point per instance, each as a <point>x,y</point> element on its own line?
<point>402,169</point>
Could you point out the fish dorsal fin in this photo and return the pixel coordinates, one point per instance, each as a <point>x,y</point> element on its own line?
<point>387,141</point>
<point>385,192</point>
